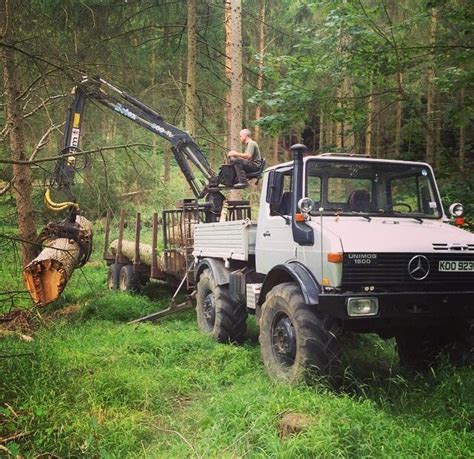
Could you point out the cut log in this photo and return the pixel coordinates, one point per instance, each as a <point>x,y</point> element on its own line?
<point>47,275</point>
<point>128,250</point>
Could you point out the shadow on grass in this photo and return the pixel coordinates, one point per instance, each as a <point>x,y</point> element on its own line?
<point>373,374</point>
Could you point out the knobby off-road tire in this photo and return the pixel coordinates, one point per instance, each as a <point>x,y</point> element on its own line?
<point>217,314</point>
<point>128,280</point>
<point>298,343</point>
<point>113,276</point>
<point>418,349</point>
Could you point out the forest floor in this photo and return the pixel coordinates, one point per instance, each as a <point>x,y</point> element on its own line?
<point>88,384</point>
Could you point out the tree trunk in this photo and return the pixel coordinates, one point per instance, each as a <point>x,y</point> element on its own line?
<point>276,148</point>
<point>339,124</point>
<point>261,51</point>
<point>378,136</point>
<point>398,124</point>
<point>348,140</point>
<point>369,125</point>
<point>191,69</point>
<point>329,134</point>
<point>431,95</point>
<point>236,82</point>
<point>47,275</point>
<point>228,68</point>
<point>462,135</point>
<point>14,120</point>
<point>321,132</point>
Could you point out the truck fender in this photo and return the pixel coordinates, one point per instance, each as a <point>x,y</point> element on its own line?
<point>292,272</point>
<point>217,268</point>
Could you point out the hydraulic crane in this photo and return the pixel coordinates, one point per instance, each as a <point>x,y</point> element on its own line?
<point>67,244</point>
<point>185,150</point>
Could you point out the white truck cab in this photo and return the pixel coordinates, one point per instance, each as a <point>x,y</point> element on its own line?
<point>342,242</point>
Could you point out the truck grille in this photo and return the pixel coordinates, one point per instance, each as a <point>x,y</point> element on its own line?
<point>389,272</point>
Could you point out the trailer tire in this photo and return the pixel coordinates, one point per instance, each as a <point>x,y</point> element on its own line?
<point>298,343</point>
<point>113,276</point>
<point>217,315</point>
<point>128,280</point>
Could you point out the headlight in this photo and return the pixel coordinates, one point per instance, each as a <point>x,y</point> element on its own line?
<point>359,307</point>
<point>305,205</point>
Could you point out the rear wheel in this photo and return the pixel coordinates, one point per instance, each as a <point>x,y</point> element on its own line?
<point>128,280</point>
<point>113,276</point>
<point>217,314</point>
<point>297,342</point>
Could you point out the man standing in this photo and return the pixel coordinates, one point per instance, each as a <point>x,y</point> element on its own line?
<point>248,161</point>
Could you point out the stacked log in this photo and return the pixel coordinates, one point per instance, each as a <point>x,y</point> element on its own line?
<point>128,250</point>
<point>47,275</point>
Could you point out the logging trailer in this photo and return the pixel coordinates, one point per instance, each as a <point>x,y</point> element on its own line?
<point>342,243</point>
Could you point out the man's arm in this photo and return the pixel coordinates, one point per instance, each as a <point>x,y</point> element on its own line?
<point>237,154</point>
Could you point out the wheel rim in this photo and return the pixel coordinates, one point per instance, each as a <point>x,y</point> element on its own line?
<point>209,310</point>
<point>123,281</point>
<point>110,281</point>
<point>284,340</point>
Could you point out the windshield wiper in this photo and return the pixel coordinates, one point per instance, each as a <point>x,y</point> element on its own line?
<point>394,213</point>
<point>286,218</point>
<point>361,215</point>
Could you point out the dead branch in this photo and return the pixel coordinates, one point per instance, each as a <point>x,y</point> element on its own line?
<point>180,436</point>
<point>134,193</point>
<point>39,146</point>
<point>44,104</point>
<point>13,437</point>
<point>11,333</point>
<point>44,140</point>
<point>80,153</point>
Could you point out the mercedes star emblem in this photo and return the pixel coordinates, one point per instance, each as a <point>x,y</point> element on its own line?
<point>419,267</point>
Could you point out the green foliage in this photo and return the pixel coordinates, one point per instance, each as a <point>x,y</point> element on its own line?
<point>90,385</point>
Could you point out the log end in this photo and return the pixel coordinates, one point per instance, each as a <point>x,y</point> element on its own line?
<point>45,281</point>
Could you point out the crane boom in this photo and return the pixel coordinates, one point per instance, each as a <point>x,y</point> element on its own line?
<point>185,150</point>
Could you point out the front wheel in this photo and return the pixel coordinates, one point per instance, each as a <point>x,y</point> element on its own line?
<point>297,342</point>
<point>217,314</point>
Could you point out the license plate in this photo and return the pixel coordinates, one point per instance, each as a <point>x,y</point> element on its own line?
<point>456,266</point>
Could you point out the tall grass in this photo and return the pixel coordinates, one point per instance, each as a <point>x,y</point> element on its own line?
<point>91,385</point>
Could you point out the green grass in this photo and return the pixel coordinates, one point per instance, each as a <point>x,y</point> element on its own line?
<point>91,385</point>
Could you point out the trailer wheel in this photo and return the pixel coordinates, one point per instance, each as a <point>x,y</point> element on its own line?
<point>419,348</point>
<point>297,343</point>
<point>217,314</point>
<point>128,280</point>
<point>113,276</point>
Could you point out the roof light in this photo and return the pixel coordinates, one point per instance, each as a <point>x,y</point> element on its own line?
<point>456,209</point>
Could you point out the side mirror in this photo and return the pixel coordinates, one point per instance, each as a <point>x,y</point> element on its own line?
<point>274,187</point>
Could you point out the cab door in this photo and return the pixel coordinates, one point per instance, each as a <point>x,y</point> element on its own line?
<point>274,242</point>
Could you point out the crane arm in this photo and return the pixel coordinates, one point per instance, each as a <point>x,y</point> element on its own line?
<point>185,150</point>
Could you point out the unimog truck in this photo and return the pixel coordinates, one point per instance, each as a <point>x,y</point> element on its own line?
<point>342,243</point>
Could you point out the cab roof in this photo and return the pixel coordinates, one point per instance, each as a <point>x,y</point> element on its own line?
<point>349,157</point>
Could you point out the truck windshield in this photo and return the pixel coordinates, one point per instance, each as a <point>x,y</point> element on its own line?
<point>374,188</point>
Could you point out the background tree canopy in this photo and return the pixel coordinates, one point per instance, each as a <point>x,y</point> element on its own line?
<point>393,79</point>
